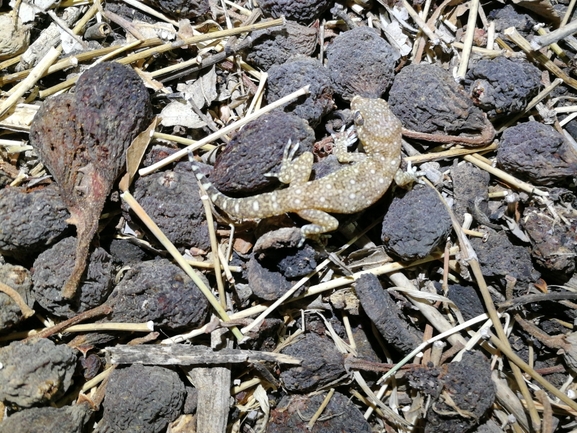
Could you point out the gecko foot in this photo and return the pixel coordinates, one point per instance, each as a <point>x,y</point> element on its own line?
<point>288,155</point>
<point>405,178</point>
<point>346,137</point>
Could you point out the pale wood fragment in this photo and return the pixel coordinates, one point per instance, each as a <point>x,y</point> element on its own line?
<point>181,354</point>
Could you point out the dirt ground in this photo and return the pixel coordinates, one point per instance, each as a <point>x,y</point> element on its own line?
<point>145,145</point>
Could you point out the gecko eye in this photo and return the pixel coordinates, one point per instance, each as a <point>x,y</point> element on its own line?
<point>358,118</point>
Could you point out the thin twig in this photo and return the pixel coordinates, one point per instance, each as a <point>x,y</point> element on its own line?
<point>213,245</point>
<point>193,40</point>
<point>15,296</point>
<point>212,137</point>
<point>469,36</point>
<point>37,72</point>
<point>101,310</point>
<point>539,42</point>
<point>539,57</point>
<point>511,180</point>
<point>531,372</point>
<point>112,326</point>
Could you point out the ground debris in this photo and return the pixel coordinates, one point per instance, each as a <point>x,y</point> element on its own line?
<point>185,319</point>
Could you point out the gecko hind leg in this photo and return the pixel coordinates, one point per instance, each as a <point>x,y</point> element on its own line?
<point>321,221</point>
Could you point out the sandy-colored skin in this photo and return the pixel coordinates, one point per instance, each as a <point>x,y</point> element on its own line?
<point>348,190</point>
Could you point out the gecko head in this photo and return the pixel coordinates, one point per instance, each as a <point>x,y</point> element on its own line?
<point>375,123</point>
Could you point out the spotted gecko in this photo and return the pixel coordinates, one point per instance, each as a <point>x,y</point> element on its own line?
<point>348,190</point>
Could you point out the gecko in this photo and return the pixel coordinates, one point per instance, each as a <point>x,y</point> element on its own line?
<point>356,186</point>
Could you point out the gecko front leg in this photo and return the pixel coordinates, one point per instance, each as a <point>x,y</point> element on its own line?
<point>294,171</point>
<point>343,140</point>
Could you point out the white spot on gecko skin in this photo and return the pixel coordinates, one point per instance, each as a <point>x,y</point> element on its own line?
<point>373,171</point>
<point>352,196</point>
<point>297,201</point>
<point>381,180</point>
<point>255,206</point>
<point>328,186</point>
<point>213,197</point>
<point>322,199</point>
<point>236,207</point>
<point>352,181</point>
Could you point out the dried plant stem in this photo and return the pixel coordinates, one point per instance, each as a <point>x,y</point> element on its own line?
<point>435,40</point>
<point>245,385</point>
<point>554,47</point>
<point>135,206</point>
<point>208,265</point>
<point>320,410</point>
<point>513,181</point>
<point>193,40</point>
<point>15,296</point>
<point>9,62</point>
<point>506,349</point>
<point>568,13</point>
<point>556,35</point>
<point>101,310</point>
<point>484,51</point>
<point>213,246</point>
<point>37,72</point>
<point>493,315</point>
<point>171,46</point>
<point>212,137</point>
<point>259,94</point>
<point>181,140</point>
<point>112,326</point>
<point>97,379</point>
<point>117,51</point>
<point>469,36</point>
<point>451,153</point>
<point>547,410</point>
<point>69,61</point>
<point>541,58</point>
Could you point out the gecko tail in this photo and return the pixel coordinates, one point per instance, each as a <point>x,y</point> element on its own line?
<point>218,198</point>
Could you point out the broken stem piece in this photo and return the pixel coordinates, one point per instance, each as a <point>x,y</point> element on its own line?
<point>102,310</point>
<point>26,84</point>
<point>541,58</point>
<point>539,42</point>
<point>15,296</point>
